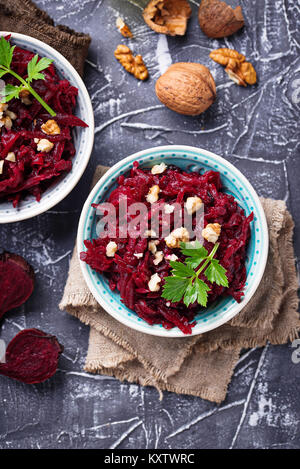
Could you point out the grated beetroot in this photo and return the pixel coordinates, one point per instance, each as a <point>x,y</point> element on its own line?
<point>31,356</point>
<point>33,172</point>
<point>130,275</point>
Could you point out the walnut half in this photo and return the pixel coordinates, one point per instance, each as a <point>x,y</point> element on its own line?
<point>50,127</point>
<point>238,70</point>
<point>168,16</point>
<point>132,64</point>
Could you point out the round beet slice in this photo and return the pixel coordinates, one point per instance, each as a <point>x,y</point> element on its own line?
<point>31,356</point>
<point>16,281</point>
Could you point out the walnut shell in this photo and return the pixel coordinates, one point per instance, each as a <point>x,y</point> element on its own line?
<point>168,16</point>
<point>187,88</point>
<point>217,19</point>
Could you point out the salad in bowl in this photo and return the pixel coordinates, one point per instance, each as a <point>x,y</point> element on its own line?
<point>169,236</point>
<point>44,127</point>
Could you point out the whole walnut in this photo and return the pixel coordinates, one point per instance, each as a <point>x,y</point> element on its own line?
<point>217,19</point>
<point>187,88</point>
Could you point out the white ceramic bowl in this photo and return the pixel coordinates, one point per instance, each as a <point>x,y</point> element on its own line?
<point>83,137</point>
<point>189,159</point>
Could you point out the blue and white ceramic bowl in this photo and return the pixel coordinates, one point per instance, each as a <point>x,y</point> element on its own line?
<point>83,137</point>
<point>189,159</point>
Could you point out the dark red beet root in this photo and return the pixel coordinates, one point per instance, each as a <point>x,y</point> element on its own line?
<point>31,357</point>
<point>16,281</point>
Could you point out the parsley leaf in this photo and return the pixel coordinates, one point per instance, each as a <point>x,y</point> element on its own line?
<point>6,52</point>
<point>216,273</point>
<point>34,68</point>
<point>181,270</point>
<point>202,288</point>
<point>174,288</point>
<point>10,92</point>
<point>193,249</point>
<point>194,252</point>
<point>185,284</point>
<point>191,294</point>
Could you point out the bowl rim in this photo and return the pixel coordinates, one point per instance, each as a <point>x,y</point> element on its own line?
<point>175,332</point>
<point>67,188</point>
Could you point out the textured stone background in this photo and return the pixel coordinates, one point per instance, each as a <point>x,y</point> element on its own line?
<point>255,128</point>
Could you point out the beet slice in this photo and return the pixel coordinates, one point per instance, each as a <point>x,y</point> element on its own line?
<point>31,356</point>
<point>16,281</point>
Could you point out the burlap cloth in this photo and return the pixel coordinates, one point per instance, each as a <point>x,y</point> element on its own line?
<point>22,16</point>
<point>200,365</point>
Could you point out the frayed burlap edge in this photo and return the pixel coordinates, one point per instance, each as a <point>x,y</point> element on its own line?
<point>156,374</point>
<point>212,393</point>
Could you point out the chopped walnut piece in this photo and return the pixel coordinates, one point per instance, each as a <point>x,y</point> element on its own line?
<point>1,166</point>
<point>154,282</point>
<point>6,116</point>
<point>111,249</point>
<point>24,95</point>
<point>158,168</point>
<point>169,208</point>
<point>3,107</point>
<point>44,145</point>
<point>123,28</point>
<point>168,16</point>
<point>11,157</point>
<point>134,65</point>
<point>150,234</point>
<point>171,257</point>
<point>7,122</point>
<point>159,255</point>
<point>152,246</point>
<point>138,255</point>
<point>152,195</point>
<point>50,127</point>
<point>177,236</point>
<point>238,70</point>
<point>193,204</point>
<point>212,232</point>
<point>11,114</point>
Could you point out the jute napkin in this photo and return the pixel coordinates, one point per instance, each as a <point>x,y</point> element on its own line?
<point>201,365</point>
<point>23,16</point>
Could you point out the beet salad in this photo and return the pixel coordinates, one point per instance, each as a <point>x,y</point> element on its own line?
<point>36,120</point>
<point>169,278</point>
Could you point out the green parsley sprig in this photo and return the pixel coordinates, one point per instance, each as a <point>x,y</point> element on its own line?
<point>34,69</point>
<point>185,282</point>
